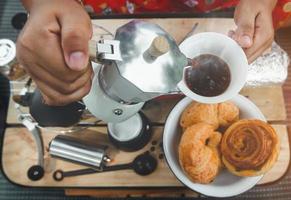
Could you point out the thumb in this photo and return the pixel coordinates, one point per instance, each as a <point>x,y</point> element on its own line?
<point>76,32</point>
<point>245,30</point>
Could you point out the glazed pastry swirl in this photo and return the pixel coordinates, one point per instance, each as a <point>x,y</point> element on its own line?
<point>249,147</point>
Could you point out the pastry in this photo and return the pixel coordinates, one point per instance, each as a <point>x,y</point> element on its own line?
<point>198,112</point>
<point>222,114</point>
<point>198,153</point>
<point>249,147</point>
<point>228,113</point>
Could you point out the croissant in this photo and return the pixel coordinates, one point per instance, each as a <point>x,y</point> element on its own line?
<point>249,147</point>
<point>198,112</point>
<point>228,113</point>
<point>222,114</point>
<point>198,153</point>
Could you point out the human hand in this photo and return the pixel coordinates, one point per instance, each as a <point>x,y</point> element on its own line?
<point>53,48</point>
<point>255,32</point>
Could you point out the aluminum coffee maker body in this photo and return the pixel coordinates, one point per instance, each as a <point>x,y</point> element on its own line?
<point>143,62</point>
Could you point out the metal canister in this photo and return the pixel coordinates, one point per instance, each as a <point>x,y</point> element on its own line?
<point>72,149</point>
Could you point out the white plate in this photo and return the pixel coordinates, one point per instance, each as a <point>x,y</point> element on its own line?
<point>225,184</point>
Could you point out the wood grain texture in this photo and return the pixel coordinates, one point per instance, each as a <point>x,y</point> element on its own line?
<point>19,153</point>
<point>283,37</point>
<point>270,101</point>
<point>282,163</point>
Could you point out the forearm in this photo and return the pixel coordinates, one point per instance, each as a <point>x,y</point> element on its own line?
<point>28,4</point>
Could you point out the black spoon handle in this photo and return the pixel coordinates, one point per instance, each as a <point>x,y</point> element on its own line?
<point>86,171</point>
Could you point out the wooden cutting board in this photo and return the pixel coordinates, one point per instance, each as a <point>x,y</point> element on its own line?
<point>19,149</point>
<point>19,154</point>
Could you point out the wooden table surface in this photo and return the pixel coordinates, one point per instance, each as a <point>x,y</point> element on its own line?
<point>283,38</point>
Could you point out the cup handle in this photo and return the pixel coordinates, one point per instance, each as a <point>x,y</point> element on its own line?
<point>184,89</point>
<point>187,92</point>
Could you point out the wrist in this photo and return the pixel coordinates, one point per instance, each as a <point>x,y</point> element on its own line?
<point>269,4</point>
<point>28,4</point>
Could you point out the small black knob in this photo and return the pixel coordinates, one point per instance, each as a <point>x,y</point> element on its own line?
<point>35,173</point>
<point>144,164</point>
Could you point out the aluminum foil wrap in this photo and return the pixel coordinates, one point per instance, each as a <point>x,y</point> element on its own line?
<point>269,69</point>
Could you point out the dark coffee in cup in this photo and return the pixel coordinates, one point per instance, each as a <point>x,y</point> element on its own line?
<point>208,75</point>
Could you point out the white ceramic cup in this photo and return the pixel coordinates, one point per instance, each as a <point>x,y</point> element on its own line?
<point>225,48</point>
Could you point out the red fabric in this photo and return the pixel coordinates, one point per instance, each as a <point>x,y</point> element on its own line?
<point>280,14</point>
<point>160,5</point>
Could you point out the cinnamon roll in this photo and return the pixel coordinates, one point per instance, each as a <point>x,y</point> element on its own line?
<point>249,147</point>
